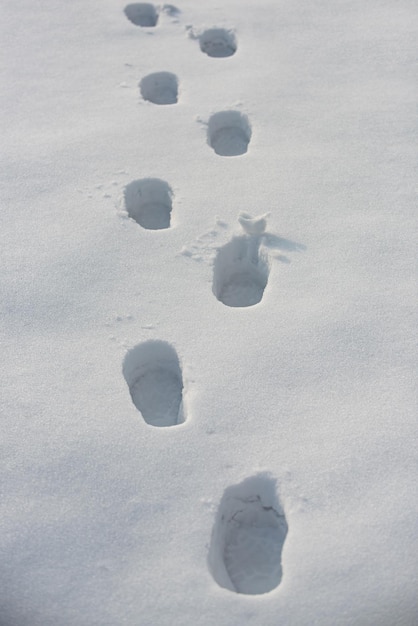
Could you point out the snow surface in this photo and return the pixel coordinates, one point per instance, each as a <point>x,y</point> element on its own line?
<point>306,398</point>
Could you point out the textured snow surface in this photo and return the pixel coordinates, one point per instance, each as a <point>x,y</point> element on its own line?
<point>208,313</point>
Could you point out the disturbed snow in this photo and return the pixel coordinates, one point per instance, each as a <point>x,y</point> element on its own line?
<point>208,413</point>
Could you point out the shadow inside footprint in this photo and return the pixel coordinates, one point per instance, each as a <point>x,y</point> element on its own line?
<point>153,375</point>
<point>218,43</point>
<point>241,272</point>
<point>248,536</point>
<point>142,14</point>
<point>229,133</point>
<point>149,203</point>
<point>160,88</point>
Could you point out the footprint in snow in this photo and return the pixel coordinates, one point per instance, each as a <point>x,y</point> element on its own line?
<point>153,374</point>
<point>248,536</point>
<point>241,268</point>
<point>218,43</point>
<point>149,203</point>
<point>142,14</point>
<point>160,88</point>
<point>229,133</point>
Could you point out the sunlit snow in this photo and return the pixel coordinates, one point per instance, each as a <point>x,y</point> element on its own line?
<point>208,305</point>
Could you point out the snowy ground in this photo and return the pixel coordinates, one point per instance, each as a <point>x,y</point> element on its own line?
<point>266,442</point>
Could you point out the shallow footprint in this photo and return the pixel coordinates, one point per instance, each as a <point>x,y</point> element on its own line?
<point>240,272</point>
<point>229,133</point>
<point>159,88</point>
<point>142,14</point>
<point>153,374</point>
<point>149,203</point>
<point>248,537</point>
<point>218,43</point>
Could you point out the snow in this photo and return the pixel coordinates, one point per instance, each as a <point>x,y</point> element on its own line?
<point>248,537</point>
<point>121,232</point>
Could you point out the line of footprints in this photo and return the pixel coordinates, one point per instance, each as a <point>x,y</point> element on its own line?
<point>250,528</point>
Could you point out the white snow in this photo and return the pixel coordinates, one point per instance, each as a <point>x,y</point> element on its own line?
<point>139,289</point>
<point>253,225</point>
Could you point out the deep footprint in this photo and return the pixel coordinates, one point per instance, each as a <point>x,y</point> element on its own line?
<point>229,133</point>
<point>218,43</point>
<point>248,536</point>
<point>142,14</point>
<point>153,374</point>
<point>149,203</point>
<point>240,272</point>
<point>160,88</point>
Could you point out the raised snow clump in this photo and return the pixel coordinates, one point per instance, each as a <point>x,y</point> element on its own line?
<point>218,43</point>
<point>153,374</point>
<point>229,133</point>
<point>245,553</point>
<point>149,203</point>
<point>160,88</point>
<point>142,14</point>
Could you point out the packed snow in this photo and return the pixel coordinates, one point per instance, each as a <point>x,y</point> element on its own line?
<point>209,410</point>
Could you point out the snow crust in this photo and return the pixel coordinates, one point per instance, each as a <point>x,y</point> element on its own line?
<point>308,393</point>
